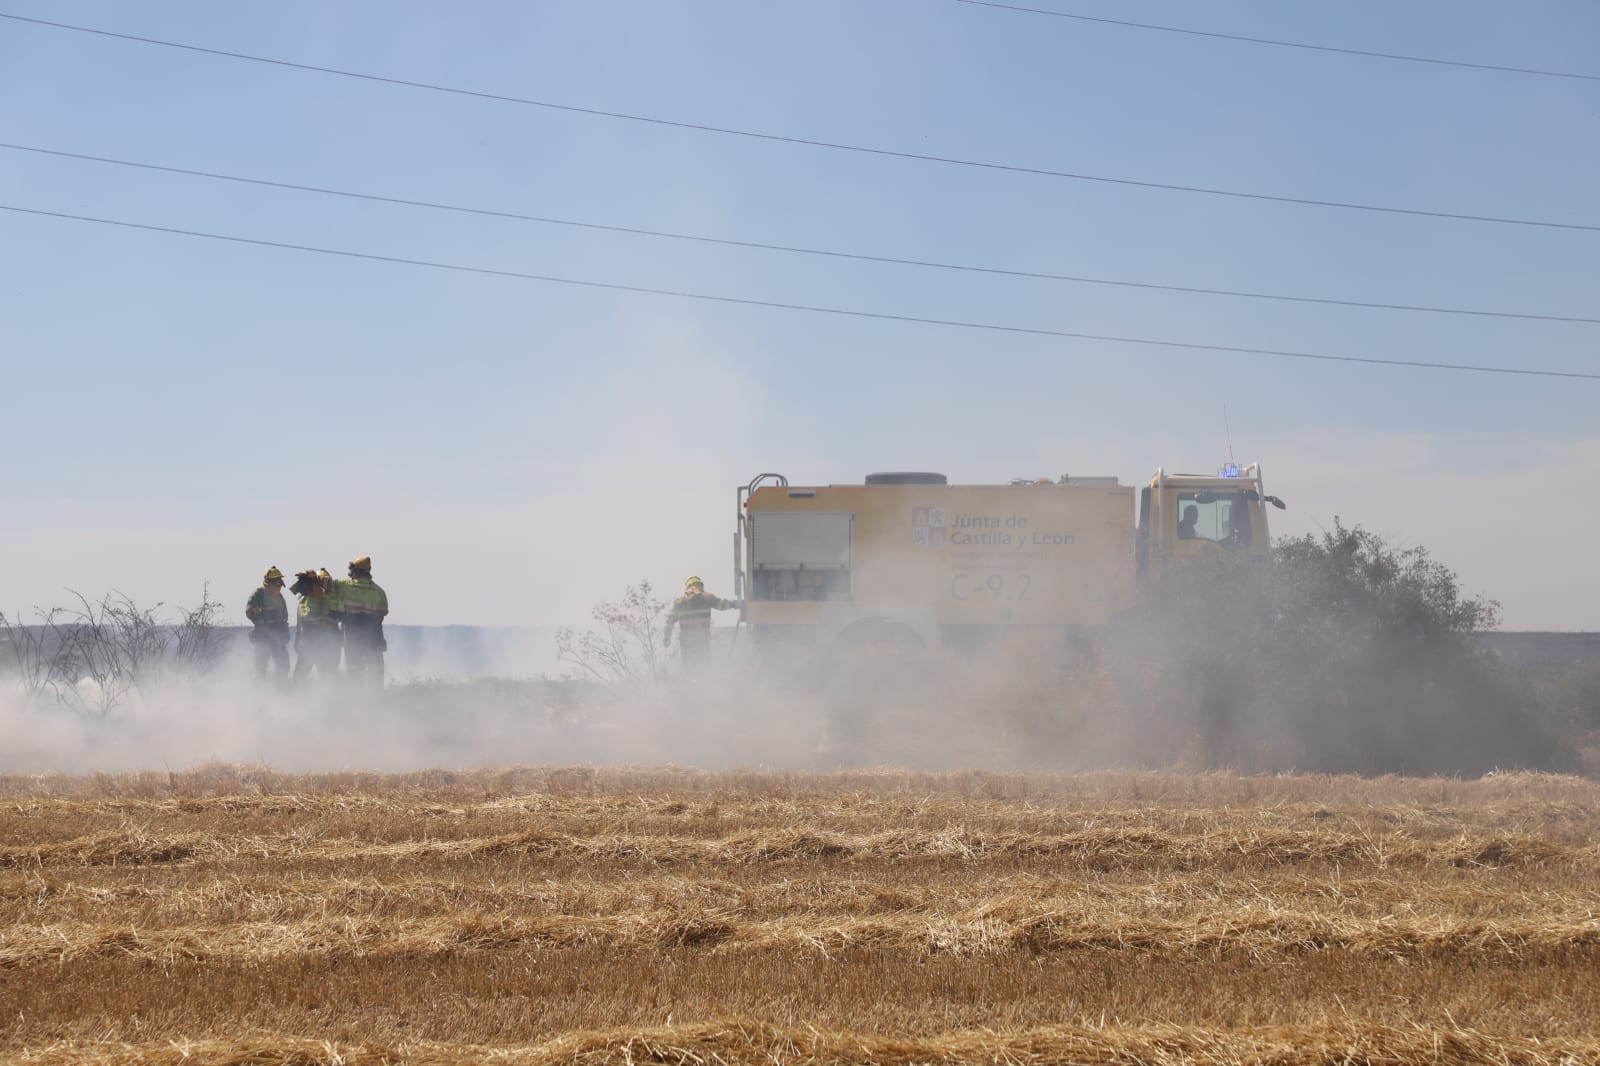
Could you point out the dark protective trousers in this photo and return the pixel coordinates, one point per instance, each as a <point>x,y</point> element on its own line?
<point>317,649</point>
<point>363,654</point>
<point>271,646</point>
<point>695,642</point>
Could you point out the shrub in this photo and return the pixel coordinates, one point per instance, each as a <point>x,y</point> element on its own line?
<point>92,656</point>
<point>1344,654</point>
<point>627,645</point>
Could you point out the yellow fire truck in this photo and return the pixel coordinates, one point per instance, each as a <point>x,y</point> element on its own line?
<point>911,560</point>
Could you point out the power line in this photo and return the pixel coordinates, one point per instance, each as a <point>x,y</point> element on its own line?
<point>1302,201</point>
<point>1285,44</point>
<point>796,249</point>
<point>810,308</point>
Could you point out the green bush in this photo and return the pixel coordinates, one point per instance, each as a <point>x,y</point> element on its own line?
<point>1343,654</point>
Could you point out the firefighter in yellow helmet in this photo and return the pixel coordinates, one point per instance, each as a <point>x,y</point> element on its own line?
<point>269,618</point>
<point>361,606</point>
<point>316,630</point>
<point>691,613</point>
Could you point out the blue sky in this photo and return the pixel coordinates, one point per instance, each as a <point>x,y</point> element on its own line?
<point>182,411</point>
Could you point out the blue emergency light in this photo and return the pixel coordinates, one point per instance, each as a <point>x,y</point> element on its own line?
<point>1231,470</point>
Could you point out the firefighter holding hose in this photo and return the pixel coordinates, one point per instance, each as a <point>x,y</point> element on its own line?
<point>691,613</point>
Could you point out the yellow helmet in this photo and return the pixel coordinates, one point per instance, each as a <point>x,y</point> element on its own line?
<point>691,582</point>
<point>272,574</point>
<point>363,563</point>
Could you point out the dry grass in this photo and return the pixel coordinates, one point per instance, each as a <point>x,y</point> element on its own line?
<point>232,914</point>
<point>744,1041</point>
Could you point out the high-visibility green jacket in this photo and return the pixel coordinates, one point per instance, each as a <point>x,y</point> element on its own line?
<point>267,607</point>
<point>360,600</point>
<point>694,611</point>
<point>317,610</point>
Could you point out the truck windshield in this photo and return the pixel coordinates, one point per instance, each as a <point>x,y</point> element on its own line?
<point>1222,518</point>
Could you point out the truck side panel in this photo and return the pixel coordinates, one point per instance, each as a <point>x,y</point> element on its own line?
<point>936,555</point>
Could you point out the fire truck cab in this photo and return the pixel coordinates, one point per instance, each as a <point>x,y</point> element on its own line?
<point>1185,517</point>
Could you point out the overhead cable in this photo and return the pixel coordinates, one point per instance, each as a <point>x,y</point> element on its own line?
<point>797,249</point>
<point>884,316</point>
<point>1284,44</point>
<point>978,164</point>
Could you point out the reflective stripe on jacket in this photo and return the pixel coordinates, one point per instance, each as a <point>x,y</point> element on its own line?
<point>360,599</point>
<point>317,610</point>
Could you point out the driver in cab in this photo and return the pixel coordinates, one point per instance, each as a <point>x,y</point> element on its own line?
<point>1186,524</point>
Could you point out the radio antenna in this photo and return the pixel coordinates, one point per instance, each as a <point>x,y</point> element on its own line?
<point>1228,429</point>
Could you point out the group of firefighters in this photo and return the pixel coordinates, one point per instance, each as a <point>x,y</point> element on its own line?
<point>333,616</point>
<point>346,615</point>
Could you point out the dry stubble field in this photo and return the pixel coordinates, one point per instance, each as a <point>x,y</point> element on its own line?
<point>532,915</point>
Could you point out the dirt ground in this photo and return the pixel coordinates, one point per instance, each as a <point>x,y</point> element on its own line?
<point>236,915</point>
